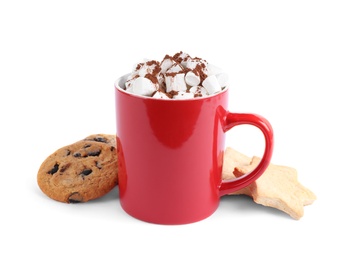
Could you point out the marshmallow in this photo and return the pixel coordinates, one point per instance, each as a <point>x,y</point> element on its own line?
<point>175,83</point>
<point>183,95</point>
<point>142,69</point>
<point>211,84</point>
<point>190,64</point>
<point>130,80</point>
<point>160,95</point>
<point>143,86</point>
<point>192,79</point>
<point>147,67</point>
<point>175,68</point>
<point>161,79</point>
<point>199,91</point>
<point>128,84</point>
<point>166,64</point>
<point>213,70</point>
<point>176,77</point>
<point>182,58</point>
<point>222,79</point>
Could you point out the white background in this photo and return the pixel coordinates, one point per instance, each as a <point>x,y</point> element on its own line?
<point>293,62</point>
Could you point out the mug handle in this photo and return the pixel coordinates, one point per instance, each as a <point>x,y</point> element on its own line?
<point>234,119</point>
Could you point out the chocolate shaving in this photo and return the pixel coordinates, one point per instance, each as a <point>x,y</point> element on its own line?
<point>152,78</point>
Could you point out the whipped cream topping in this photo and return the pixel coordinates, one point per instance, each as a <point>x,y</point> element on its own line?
<point>176,77</point>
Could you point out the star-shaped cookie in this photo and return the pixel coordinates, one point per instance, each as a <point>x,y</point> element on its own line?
<point>277,187</point>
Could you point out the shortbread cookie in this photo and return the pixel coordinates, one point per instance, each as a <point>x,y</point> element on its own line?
<point>232,159</point>
<point>277,187</point>
<point>79,172</point>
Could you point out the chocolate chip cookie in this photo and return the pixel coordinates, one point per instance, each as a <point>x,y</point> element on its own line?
<point>102,138</point>
<point>82,171</point>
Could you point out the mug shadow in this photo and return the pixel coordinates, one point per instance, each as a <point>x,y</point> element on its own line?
<point>112,195</point>
<point>229,204</point>
<point>244,204</point>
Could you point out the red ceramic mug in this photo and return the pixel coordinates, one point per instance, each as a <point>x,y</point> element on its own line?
<point>170,155</point>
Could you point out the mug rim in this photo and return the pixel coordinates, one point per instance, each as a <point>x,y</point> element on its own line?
<point>123,78</point>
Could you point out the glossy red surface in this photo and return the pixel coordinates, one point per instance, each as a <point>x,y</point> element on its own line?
<point>170,155</point>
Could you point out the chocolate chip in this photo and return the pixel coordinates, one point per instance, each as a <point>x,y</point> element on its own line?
<point>54,169</point>
<point>75,197</point>
<point>87,145</point>
<point>77,154</point>
<point>100,139</point>
<point>89,153</point>
<point>94,153</point>
<point>65,167</point>
<point>86,172</point>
